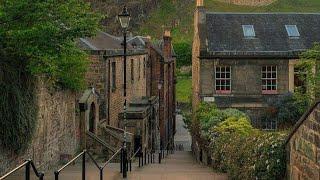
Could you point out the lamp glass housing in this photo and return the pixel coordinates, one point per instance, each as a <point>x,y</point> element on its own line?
<point>124,18</point>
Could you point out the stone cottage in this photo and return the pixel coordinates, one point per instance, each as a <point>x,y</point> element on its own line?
<point>106,76</point>
<point>161,81</point>
<point>303,146</point>
<point>245,60</point>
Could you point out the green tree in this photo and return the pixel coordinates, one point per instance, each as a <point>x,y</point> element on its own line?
<point>38,38</point>
<point>183,51</point>
<point>44,34</point>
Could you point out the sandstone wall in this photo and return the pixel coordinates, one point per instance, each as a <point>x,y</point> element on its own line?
<point>57,131</point>
<point>249,2</point>
<point>304,147</point>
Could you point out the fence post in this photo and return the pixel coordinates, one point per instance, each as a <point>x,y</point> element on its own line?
<point>56,175</point>
<point>130,164</point>
<point>145,157</point>
<point>159,157</point>
<point>124,170</point>
<point>139,160</point>
<point>121,159</point>
<point>142,158</point>
<point>27,173</point>
<point>84,166</point>
<point>41,176</point>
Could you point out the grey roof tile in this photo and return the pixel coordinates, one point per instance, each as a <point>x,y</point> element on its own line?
<point>224,32</point>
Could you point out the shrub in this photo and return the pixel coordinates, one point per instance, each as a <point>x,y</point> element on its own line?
<point>209,116</point>
<point>286,109</point>
<point>233,124</point>
<point>259,155</point>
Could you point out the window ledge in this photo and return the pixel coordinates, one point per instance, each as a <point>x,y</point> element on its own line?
<point>269,92</point>
<point>223,92</point>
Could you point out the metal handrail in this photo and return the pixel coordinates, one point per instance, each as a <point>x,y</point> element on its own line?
<point>113,156</point>
<point>83,154</point>
<point>138,150</point>
<point>71,161</point>
<point>27,164</point>
<point>100,141</point>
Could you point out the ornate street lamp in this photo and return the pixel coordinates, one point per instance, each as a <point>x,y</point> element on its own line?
<point>124,19</point>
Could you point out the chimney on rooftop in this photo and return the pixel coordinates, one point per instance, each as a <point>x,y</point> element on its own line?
<point>167,46</point>
<point>199,3</point>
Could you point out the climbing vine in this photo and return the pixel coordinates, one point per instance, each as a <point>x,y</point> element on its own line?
<point>17,105</point>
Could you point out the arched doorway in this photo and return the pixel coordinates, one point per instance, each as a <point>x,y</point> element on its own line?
<point>92,118</point>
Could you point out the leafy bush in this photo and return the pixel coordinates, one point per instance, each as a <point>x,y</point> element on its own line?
<point>259,155</point>
<point>209,116</point>
<point>286,109</point>
<point>233,124</point>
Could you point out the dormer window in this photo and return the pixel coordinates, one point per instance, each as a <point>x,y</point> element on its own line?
<point>292,31</point>
<point>248,31</point>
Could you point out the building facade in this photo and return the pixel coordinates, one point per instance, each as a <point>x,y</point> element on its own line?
<point>161,82</point>
<point>247,60</point>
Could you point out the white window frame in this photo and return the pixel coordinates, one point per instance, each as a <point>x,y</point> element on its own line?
<point>295,28</point>
<point>264,86</point>
<point>251,27</point>
<point>220,90</point>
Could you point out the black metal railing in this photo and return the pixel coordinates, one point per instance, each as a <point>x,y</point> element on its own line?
<point>27,164</point>
<point>83,171</point>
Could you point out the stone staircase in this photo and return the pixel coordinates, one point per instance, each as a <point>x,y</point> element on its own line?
<point>180,165</point>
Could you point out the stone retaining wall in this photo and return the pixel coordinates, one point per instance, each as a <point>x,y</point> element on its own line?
<point>56,135</point>
<point>304,147</point>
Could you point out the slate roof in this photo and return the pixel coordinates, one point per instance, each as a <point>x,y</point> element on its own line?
<point>223,34</point>
<point>109,44</point>
<point>102,41</point>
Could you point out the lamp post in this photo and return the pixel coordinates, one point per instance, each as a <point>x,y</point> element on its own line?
<point>124,19</point>
<point>159,96</point>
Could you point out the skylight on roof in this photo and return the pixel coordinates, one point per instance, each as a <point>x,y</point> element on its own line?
<point>248,31</point>
<point>292,31</point>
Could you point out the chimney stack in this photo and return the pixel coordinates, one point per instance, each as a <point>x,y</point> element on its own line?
<point>199,3</point>
<point>167,46</point>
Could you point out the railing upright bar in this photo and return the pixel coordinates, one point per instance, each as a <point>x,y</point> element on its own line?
<point>130,164</point>
<point>101,174</point>
<point>84,166</point>
<point>56,175</point>
<point>121,160</point>
<point>27,173</point>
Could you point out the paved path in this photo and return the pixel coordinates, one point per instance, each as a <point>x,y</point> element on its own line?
<point>182,137</point>
<point>178,166</point>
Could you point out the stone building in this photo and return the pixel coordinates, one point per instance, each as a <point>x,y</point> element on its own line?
<point>161,81</point>
<point>245,60</point>
<point>303,146</point>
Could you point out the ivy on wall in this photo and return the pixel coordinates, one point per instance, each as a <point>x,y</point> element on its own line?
<point>18,108</point>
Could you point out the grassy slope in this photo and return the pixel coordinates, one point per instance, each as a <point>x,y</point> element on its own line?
<point>182,12</point>
<point>184,89</point>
